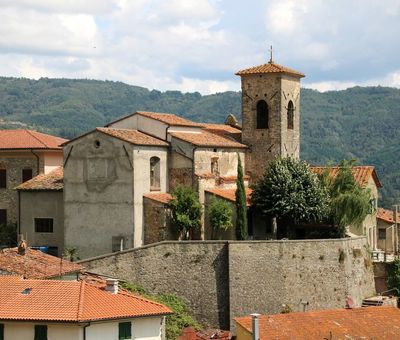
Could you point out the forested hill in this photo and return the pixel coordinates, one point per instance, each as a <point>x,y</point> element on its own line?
<point>361,122</point>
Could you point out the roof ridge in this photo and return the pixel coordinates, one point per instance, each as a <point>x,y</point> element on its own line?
<point>80,301</point>
<point>40,141</point>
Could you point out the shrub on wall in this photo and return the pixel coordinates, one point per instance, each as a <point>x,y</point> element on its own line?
<point>185,211</point>
<point>394,276</point>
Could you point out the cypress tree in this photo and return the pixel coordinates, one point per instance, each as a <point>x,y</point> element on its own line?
<point>241,208</point>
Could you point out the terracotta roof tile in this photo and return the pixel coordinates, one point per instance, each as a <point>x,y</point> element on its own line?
<point>381,323</point>
<point>361,174</point>
<point>230,194</point>
<point>387,215</point>
<point>208,139</point>
<point>28,139</point>
<point>35,264</point>
<point>71,301</point>
<point>169,119</point>
<point>221,128</point>
<point>162,197</point>
<point>53,181</point>
<point>269,68</point>
<point>133,136</point>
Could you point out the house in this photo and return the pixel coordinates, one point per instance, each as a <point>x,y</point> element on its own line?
<point>381,323</point>
<point>54,309</point>
<point>34,264</point>
<point>41,217</point>
<point>387,239</point>
<point>366,177</point>
<point>23,155</point>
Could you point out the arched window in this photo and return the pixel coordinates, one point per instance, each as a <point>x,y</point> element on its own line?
<point>154,174</point>
<point>262,114</point>
<point>290,115</point>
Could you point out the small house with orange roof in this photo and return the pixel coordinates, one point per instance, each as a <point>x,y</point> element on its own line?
<point>76,310</point>
<point>381,323</point>
<point>23,155</point>
<point>388,241</point>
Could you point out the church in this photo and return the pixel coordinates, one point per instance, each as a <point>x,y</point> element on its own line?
<point>118,179</point>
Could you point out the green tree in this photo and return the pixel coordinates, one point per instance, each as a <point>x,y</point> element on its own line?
<point>394,276</point>
<point>220,215</point>
<point>8,235</point>
<point>185,211</point>
<point>349,203</point>
<point>241,206</point>
<point>290,192</point>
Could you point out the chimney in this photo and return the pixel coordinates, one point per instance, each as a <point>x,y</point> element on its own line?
<point>255,326</point>
<point>112,286</point>
<point>22,247</point>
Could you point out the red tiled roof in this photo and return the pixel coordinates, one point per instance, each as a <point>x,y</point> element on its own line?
<point>221,128</point>
<point>133,136</point>
<point>230,194</point>
<point>381,323</point>
<point>361,174</point>
<point>28,139</point>
<point>169,119</point>
<point>53,181</point>
<point>70,301</point>
<point>162,197</point>
<point>269,68</point>
<point>387,215</point>
<point>208,139</point>
<point>35,264</point>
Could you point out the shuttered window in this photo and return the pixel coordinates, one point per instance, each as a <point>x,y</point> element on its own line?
<point>3,178</point>
<point>40,332</point>
<point>1,331</point>
<point>43,225</point>
<point>125,330</point>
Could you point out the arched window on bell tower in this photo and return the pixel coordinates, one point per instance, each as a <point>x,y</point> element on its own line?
<point>290,115</point>
<point>262,114</point>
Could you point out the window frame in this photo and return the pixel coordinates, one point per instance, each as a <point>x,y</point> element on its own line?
<point>40,332</point>
<point>36,219</point>
<point>3,178</point>
<point>23,179</point>
<point>380,233</point>
<point>290,115</point>
<point>125,330</point>
<point>262,115</point>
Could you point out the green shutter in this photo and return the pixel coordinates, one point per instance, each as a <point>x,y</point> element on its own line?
<point>124,330</point>
<point>1,331</point>
<point>40,332</point>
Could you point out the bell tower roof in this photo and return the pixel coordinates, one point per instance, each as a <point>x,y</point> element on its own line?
<point>269,67</point>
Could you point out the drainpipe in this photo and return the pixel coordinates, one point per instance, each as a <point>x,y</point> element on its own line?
<point>19,213</point>
<point>84,330</point>
<point>193,165</point>
<point>255,326</point>
<point>37,161</point>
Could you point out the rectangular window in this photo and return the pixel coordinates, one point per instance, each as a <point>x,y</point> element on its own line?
<point>117,243</point>
<point>3,178</point>
<point>125,330</point>
<point>40,332</point>
<point>26,175</point>
<point>1,331</point>
<point>3,216</point>
<point>44,225</point>
<point>382,234</point>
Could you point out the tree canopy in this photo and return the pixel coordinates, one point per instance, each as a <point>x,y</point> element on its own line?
<point>220,214</point>
<point>289,191</point>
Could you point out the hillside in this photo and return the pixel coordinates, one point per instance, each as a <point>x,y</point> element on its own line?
<point>361,122</point>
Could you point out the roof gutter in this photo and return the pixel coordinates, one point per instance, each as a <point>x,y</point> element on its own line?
<point>84,330</point>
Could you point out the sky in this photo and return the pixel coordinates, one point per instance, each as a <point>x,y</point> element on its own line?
<point>198,45</point>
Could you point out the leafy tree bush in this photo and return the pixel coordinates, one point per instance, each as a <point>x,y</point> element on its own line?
<point>185,211</point>
<point>289,191</point>
<point>394,276</point>
<point>175,322</point>
<point>8,235</point>
<point>241,207</point>
<point>220,215</point>
<point>349,203</point>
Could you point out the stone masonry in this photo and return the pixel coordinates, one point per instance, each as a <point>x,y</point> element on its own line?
<point>223,279</point>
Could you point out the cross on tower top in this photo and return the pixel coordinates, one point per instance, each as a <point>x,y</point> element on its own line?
<point>270,53</point>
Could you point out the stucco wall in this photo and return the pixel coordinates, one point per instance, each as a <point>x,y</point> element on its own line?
<point>223,279</point>
<point>227,160</point>
<point>26,330</point>
<point>52,160</point>
<point>42,204</point>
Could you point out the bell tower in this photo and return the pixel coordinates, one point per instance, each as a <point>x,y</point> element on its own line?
<point>270,115</point>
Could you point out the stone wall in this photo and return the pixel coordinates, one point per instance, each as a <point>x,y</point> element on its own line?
<point>223,279</point>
